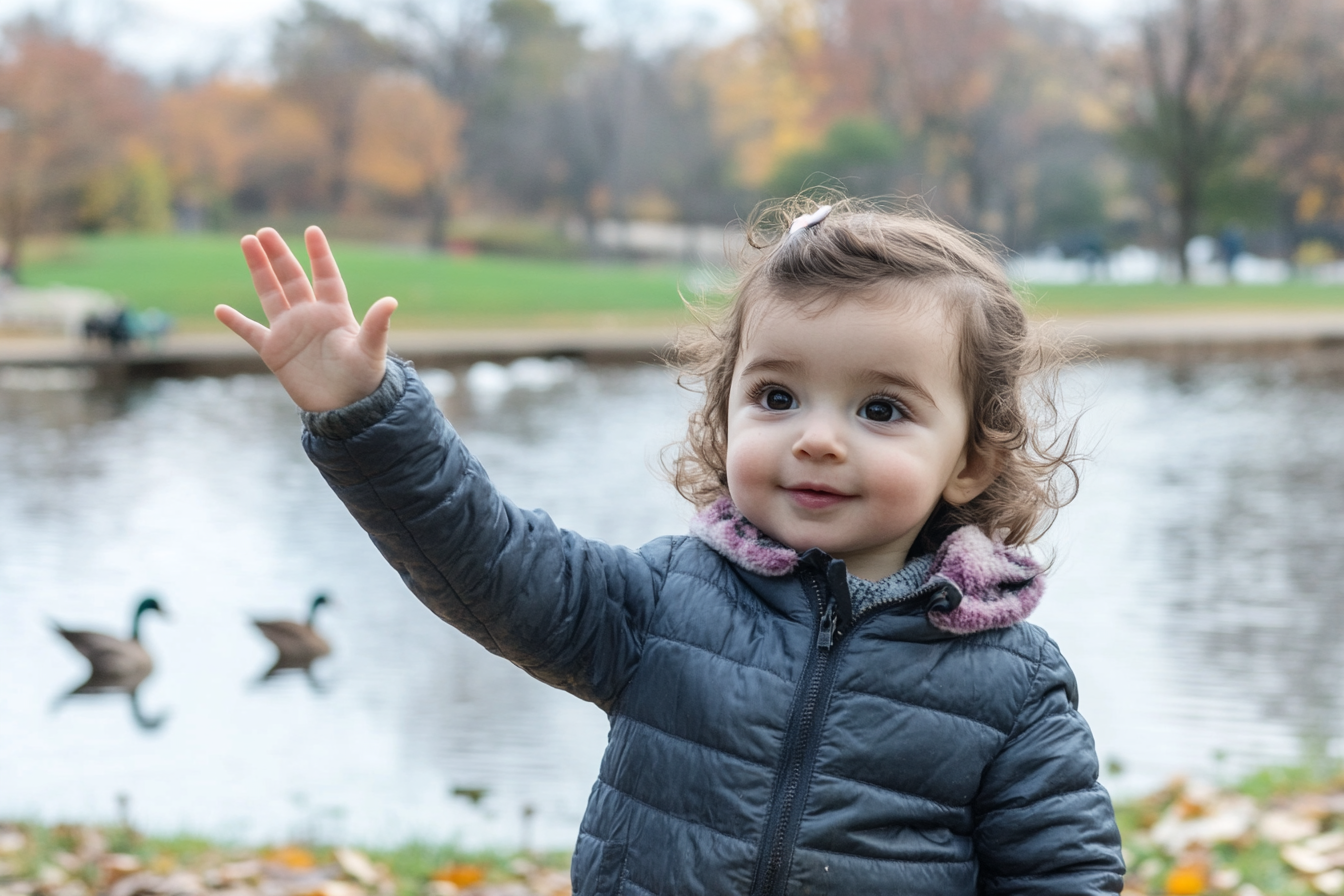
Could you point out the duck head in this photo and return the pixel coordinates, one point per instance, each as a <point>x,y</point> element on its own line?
<point>318,601</point>
<point>149,603</point>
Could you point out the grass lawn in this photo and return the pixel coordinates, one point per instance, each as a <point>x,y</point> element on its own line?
<point>187,276</point>
<point>1101,298</point>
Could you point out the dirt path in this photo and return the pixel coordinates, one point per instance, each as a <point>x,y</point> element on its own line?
<point>1235,332</point>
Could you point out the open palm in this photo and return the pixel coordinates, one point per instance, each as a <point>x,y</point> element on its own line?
<point>322,356</point>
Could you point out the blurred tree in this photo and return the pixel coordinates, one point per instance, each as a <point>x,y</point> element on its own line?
<point>926,67</point>
<point>515,127</point>
<point>322,60</point>
<point>1299,151</point>
<point>135,194</point>
<point>860,153</point>
<point>406,147</point>
<point>995,102</point>
<point>231,145</point>
<point>553,127</point>
<point>65,110</point>
<point>768,88</point>
<point>1197,67</point>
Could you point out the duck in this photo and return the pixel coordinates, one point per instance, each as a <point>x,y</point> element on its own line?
<point>116,664</point>
<point>298,643</point>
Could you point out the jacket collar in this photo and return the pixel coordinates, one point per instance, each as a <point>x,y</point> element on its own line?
<point>994,585</point>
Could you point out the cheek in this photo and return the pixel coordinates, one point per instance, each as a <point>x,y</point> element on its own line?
<point>907,488</point>
<point>749,462</point>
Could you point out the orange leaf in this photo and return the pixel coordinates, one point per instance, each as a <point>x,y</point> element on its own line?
<point>295,857</point>
<point>1187,880</point>
<point>461,875</point>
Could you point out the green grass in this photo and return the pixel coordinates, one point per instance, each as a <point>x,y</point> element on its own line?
<point>187,276</point>
<point>410,864</point>
<point>1101,298</point>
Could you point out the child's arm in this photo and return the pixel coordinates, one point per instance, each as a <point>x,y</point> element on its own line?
<point>568,610</point>
<point>322,356</point>
<point>1044,825</point>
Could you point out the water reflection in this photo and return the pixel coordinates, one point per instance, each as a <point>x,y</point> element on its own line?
<point>116,665</point>
<point>1257,547</point>
<point>1197,594</point>
<point>101,688</point>
<point>297,644</point>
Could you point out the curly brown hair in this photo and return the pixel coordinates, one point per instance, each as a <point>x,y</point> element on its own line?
<point>1009,369</point>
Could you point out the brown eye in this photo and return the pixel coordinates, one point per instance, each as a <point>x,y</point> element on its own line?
<point>778,400</point>
<point>880,410</point>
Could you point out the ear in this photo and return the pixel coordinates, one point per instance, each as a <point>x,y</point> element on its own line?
<point>973,473</point>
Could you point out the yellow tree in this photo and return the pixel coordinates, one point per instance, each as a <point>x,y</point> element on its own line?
<point>406,146</point>
<point>64,111</point>
<point>768,87</point>
<point>1198,69</point>
<point>928,68</point>
<point>226,141</point>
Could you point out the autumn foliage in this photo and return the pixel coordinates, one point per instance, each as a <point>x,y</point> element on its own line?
<point>1024,123</point>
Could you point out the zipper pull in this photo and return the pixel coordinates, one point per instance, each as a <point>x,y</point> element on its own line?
<point>826,631</point>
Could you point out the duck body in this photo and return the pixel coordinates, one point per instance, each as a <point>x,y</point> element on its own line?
<point>115,663</point>
<point>297,643</point>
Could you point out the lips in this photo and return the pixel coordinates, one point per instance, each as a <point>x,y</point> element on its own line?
<point>815,497</point>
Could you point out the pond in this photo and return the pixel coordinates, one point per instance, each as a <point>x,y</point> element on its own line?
<point>1196,591</point>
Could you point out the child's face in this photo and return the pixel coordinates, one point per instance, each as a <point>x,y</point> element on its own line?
<point>847,426</point>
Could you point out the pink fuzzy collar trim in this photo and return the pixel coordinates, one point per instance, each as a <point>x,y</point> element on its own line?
<point>999,586</point>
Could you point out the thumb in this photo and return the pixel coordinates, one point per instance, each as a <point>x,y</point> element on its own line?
<point>377,322</point>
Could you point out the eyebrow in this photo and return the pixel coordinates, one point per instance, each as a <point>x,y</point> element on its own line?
<point>876,377</point>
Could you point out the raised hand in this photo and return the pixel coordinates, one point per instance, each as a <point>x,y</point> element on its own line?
<point>322,356</point>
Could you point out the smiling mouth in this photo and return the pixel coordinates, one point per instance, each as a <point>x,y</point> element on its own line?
<point>815,498</point>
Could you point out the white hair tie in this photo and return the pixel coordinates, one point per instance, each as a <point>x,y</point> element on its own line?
<point>802,222</point>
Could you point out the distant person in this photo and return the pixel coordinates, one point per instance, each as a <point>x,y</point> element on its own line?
<point>1231,243</point>
<point>829,686</point>
<point>1094,256</point>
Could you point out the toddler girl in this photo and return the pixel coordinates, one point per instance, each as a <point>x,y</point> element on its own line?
<point>828,687</point>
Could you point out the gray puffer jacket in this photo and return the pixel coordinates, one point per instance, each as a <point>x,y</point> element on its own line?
<point>764,740</point>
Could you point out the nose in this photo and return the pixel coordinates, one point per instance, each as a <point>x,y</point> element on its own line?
<point>822,438</point>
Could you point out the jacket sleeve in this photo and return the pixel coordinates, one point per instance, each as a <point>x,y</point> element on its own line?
<point>568,610</point>
<point>1044,824</point>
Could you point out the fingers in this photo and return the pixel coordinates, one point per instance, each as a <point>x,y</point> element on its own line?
<point>253,333</point>
<point>327,280</point>
<point>377,323</point>
<point>290,274</point>
<point>264,281</point>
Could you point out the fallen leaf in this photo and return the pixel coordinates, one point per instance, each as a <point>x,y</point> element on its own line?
<point>112,867</point>
<point>11,841</point>
<point>356,865</point>
<point>460,875</point>
<point>332,888</point>
<point>294,857</point>
<point>1331,882</point>
<point>1187,880</point>
<point>1308,861</point>
<point>1284,826</point>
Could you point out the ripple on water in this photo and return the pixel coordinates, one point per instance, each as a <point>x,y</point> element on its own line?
<point>1196,592</point>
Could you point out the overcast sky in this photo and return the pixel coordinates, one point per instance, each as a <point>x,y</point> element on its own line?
<point>160,36</point>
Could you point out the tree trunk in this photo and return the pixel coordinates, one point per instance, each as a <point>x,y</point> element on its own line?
<point>436,237</point>
<point>1187,218</point>
<point>13,232</point>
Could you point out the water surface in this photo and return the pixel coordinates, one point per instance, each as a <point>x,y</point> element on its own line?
<point>1196,591</point>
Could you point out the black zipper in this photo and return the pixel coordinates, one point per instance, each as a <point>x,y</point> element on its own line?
<point>800,750</point>
<point>922,591</point>
<point>803,735</point>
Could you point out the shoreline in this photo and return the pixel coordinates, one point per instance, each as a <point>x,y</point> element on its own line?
<point>1277,832</point>
<point>1174,336</point>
